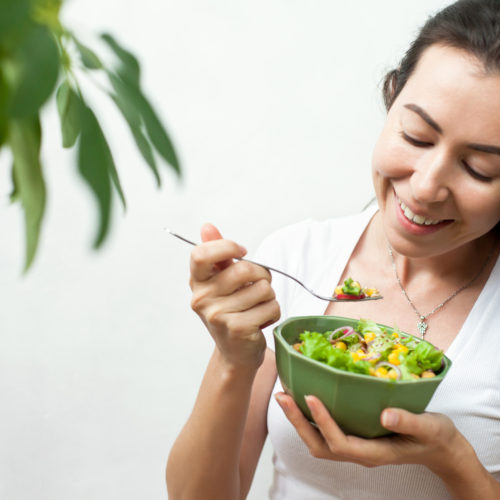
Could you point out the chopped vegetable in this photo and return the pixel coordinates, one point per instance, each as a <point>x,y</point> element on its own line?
<point>371,350</point>
<point>352,290</point>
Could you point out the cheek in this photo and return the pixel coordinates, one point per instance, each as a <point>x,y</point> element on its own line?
<point>481,209</point>
<point>390,158</point>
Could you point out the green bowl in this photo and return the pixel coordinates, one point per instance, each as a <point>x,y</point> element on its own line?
<point>355,401</point>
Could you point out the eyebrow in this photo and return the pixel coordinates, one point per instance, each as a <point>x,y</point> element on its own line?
<point>424,116</point>
<point>485,148</point>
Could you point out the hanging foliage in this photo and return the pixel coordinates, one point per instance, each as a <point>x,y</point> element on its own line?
<point>38,57</point>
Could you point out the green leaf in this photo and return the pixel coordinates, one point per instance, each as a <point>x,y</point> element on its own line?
<point>96,165</point>
<point>156,132</point>
<point>127,86</point>
<point>68,106</point>
<point>3,117</point>
<point>89,58</point>
<point>34,75</point>
<point>93,159</point>
<point>14,194</point>
<point>133,118</point>
<point>24,140</point>
<point>134,122</point>
<point>130,69</point>
<point>14,16</point>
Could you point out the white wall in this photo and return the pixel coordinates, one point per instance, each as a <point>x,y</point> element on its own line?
<point>274,106</point>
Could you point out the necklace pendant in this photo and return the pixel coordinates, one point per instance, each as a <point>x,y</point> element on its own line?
<point>422,327</point>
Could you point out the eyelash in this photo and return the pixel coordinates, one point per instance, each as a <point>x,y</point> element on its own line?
<point>468,168</point>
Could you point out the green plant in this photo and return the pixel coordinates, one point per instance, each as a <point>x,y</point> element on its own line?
<point>37,56</point>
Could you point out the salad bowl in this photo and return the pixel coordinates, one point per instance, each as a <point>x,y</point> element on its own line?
<point>354,400</point>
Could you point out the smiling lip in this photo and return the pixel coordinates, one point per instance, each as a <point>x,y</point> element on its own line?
<point>417,224</point>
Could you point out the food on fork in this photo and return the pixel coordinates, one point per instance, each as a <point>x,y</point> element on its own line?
<point>352,290</point>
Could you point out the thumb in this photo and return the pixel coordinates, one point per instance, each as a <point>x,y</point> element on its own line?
<point>209,232</point>
<point>405,422</point>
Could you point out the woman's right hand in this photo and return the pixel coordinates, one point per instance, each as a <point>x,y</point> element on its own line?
<point>234,300</point>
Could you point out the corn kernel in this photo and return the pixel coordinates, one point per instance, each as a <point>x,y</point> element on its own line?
<point>428,374</point>
<point>370,292</point>
<point>401,348</point>
<point>338,290</point>
<point>395,335</point>
<point>341,345</point>
<point>358,355</point>
<point>414,376</point>
<point>372,371</point>
<point>393,374</point>
<point>394,358</point>
<point>369,336</point>
<point>381,372</point>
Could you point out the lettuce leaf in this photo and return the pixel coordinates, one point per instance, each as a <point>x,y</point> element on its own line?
<point>424,357</point>
<point>316,346</point>
<point>367,325</point>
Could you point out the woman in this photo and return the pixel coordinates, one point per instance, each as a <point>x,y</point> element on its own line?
<point>433,236</point>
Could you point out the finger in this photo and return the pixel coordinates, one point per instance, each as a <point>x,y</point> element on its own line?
<point>311,437</point>
<point>250,321</point>
<point>367,452</point>
<point>326,424</point>
<point>425,426</point>
<point>205,257</point>
<point>210,233</point>
<point>236,276</point>
<point>249,296</point>
<point>229,310</point>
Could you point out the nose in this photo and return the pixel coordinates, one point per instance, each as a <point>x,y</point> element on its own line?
<point>431,178</point>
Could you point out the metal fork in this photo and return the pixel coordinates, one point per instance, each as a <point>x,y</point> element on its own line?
<point>269,268</point>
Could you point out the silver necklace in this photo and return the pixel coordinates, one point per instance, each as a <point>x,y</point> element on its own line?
<point>422,326</point>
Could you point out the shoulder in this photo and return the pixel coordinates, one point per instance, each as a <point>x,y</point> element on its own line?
<point>311,236</point>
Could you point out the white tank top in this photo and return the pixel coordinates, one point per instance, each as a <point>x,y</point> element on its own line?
<point>471,398</point>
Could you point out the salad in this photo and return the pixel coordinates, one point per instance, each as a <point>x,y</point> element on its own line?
<point>372,350</point>
<point>351,289</point>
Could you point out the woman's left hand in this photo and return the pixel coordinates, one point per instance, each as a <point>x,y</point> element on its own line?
<point>429,439</point>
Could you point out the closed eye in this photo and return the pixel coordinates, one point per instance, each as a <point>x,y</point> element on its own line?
<point>476,175</point>
<point>415,142</point>
<point>422,144</point>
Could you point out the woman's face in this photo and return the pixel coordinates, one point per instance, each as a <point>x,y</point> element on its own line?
<point>436,165</point>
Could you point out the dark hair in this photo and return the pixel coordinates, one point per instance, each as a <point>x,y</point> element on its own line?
<point>470,25</point>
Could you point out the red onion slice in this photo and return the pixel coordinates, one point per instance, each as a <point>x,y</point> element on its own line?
<point>346,330</point>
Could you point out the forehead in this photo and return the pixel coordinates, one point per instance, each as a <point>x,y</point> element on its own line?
<point>454,88</point>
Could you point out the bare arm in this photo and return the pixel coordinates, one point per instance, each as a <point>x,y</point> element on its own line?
<point>255,432</point>
<point>216,453</point>
<point>465,477</point>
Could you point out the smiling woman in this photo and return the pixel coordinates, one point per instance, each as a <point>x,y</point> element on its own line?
<point>432,236</point>
<point>435,168</point>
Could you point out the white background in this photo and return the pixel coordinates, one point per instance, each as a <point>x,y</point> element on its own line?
<point>274,107</point>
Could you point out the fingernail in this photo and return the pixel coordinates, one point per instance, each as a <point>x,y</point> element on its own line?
<point>390,419</point>
<point>309,401</point>
<point>243,250</point>
<point>281,401</point>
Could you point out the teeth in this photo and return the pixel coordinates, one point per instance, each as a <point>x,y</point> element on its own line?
<point>417,219</point>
